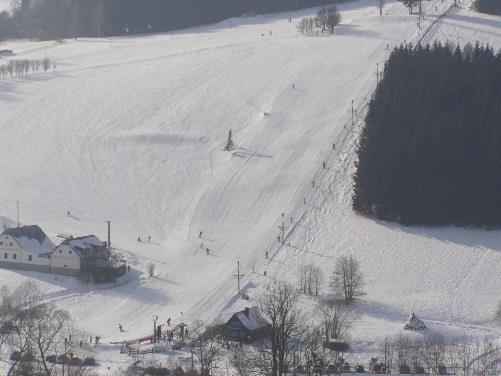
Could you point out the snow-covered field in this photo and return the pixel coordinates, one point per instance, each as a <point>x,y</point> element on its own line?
<point>132,129</point>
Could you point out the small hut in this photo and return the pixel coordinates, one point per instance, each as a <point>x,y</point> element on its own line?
<point>414,324</point>
<point>247,326</point>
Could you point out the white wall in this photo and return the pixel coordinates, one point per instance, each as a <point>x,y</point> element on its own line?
<point>9,247</point>
<point>65,258</point>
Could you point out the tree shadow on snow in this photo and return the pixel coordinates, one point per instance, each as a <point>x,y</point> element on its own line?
<point>351,30</point>
<point>495,23</point>
<point>242,152</point>
<point>470,237</point>
<point>6,88</point>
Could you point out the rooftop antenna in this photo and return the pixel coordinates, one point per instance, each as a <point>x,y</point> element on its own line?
<point>17,206</point>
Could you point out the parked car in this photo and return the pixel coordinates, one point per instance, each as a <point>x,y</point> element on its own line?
<point>90,362</point>
<point>360,369</point>
<point>75,361</point>
<point>6,52</point>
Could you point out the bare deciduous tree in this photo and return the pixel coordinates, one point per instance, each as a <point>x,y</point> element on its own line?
<point>333,18</point>
<point>347,279</point>
<point>278,303</point>
<point>37,331</point>
<point>433,353</point>
<point>310,279</point>
<point>151,269</point>
<point>204,348</point>
<point>380,5</point>
<point>497,315</point>
<point>337,319</point>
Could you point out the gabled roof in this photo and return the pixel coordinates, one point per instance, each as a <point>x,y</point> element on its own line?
<point>85,245</point>
<point>251,318</point>
<point>30,238</point>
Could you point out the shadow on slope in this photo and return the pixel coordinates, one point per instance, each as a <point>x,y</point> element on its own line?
<point>470,237</point>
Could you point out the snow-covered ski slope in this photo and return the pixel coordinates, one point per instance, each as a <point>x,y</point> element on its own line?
<point>132,129</point>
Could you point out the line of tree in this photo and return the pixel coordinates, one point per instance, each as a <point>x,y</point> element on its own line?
<point>434,355</point>
<point>346,279</point>
<point>325,20</point>
<point>488,6</point>
<point>21,68</point>
<point>56,19</point>
<point>410,4</point>
<point>430,152</point>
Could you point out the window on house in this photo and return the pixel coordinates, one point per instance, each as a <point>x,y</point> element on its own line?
<point>1,243</point>
<point>14,256</point>
<point>70,252</point>
<point>30,258</point>
<point>5,255</point>
<point>66,266</point>
<point>11,244</point>
<point>60,251</point>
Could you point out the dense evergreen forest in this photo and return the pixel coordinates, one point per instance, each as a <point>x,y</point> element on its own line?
<point>53,19</point>
<point>489,6</point>
<point>430,152</point>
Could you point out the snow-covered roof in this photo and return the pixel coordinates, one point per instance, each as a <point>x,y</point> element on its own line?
<point>31,238</point>
<point>251,318</point>
<point>85,242</point>
<point>85,245</point>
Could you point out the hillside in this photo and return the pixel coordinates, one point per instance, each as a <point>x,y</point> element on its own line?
<point>132,130</point>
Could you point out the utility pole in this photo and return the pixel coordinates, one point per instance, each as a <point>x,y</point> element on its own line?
<point>420,13</point>
<point>192,362</point>
<point>352,113</point>
<point>282,229</point>
<point>64,357</point>
<point>155,318</point>
<point>239,277</point>
<point>109,233</point>
<point>17,205</point>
